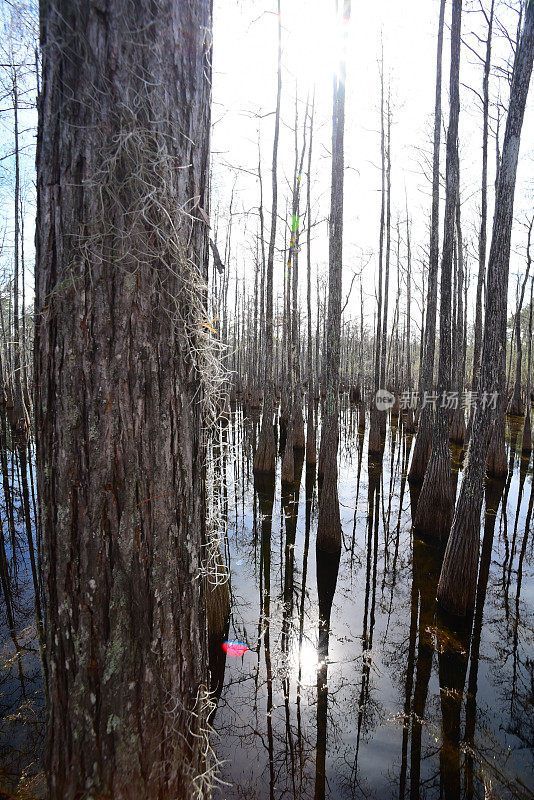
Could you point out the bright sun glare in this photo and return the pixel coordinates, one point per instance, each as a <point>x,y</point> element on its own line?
<point>313,50</point>
<point>308,662</point>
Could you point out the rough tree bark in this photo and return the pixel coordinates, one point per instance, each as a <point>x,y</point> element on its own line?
<point>436,501</point>
<point>123,144</point>
<point>457,585</point>
<point>496,461</point>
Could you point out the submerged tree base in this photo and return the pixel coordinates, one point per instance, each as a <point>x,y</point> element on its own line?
<point>265,455</point>
<point>457,583</point>
<point>288,461</point>
<point>458,428</point>
<point>299,438</point>
<point>516,407</point>
<point>422,447</point>
<point>329,521</point>
<point>376,425</point>
<point>496,464</point>
<point>526,447</point>
<point>435,508</point>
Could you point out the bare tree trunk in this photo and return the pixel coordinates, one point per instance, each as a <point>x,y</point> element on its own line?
<point>436,501</point>
<point>265,455</point>
<point>482,238</point>
<point>5,581</point>
<point>299,439</point>
<point>410,426</point>
<point>527,427</point>
<point>458,429</point>
<point>376,416</point>
<point>361,373</point>
<point>261,359</point>
<point>515,405</point>
<point>288,459</point>
<point>311,451</point>
<point>329,522</point>
<point>457,585</point>
<point>383,372</point>
<point>125,105</point>
<point>423,439</point>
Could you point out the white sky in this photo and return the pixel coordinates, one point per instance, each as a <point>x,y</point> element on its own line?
<point>244,83</point>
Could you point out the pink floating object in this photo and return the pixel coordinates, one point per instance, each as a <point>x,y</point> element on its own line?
<point>235,648</point>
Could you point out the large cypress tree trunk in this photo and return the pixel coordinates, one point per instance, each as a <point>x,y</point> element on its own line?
<point>123,145</point>
<point>457,585</point>
<point>436,501</point>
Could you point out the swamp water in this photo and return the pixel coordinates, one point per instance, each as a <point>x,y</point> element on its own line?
<point>353,686</point>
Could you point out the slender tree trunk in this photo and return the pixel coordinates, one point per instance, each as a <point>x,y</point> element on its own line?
<point>265,455</point>
<point>17,411</point>
<point>457,431</point>
<point>376,440</point>
<point>125,105</point>
<point>383,372</point>
<point>527,427</point>
<point>17,419</point>
<point>288,459</point>
<point>423,439</point>
<point>299,439</point>
<point>261,359</point>
<point>410,426</point>
<point>311,451</point>
<point>457,586</point>
<point>6,484</point>
<point>515,405</point>
<point>482,238</point>
<point>436,501</point>
<point>361,373</point>
<point>5,582</point>
<point>329,522</point>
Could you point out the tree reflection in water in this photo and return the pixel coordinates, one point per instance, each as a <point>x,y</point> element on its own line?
<point>358,688</point>
<point>353,687</point>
